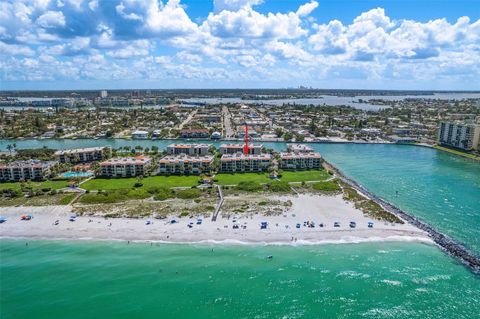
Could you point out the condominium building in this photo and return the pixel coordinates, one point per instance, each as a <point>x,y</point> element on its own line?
<point>189,149</point>
<point>239,163</point>
<point>82,155</point>
<point>459,135</point>
<point>184,164</point>
<point>125,166</point>
<point>254,149</point>
<point>300,160</point>
<point>26,170</point>
<point>299,148</point>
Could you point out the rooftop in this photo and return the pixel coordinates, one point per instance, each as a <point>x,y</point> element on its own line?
<point>241,156</point>
<point>137,160</point>
<point>186,158</point>
<point>27,164</point>
<point>293,155</point>
<point>179,145</point>
<point>233,145</point>
<point>80,150</point>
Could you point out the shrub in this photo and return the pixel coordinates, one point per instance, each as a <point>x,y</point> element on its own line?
<point>278,187</point>
<point>188,193</point>
<point>330,186</point>
<point>138,184</point>
<point>249,186</point>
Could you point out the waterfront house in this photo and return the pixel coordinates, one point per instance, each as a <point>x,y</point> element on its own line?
<point>300,160</point>
<point>140,135</point>
<point>239,163</point>
<point>26,170</point>
<point>83,155</point>
<point>189,149</point>
<point>184,164</point>
<point>125,166</point>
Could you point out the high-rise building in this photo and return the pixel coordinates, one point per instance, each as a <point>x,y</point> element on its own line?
<point>103,94</point>
<point>460,135</point>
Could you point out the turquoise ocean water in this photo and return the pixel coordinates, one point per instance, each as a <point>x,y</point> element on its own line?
<point>52,279</point>
<point>440,188</point>
<point>49,279</point>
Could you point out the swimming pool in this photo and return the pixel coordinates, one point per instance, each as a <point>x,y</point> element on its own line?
<point>71,174</point>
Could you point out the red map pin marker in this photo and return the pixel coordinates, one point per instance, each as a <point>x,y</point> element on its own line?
<point>246,148</point>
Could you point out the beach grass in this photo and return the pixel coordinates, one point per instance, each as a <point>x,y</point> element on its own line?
<point>66,199</point>
<point>153,181</point>
<point>139,193</point>
<point>113,196</point>
<point>54,184</point>
<point>41,200</point>
<point>327,186</point>
<point>368,206</point>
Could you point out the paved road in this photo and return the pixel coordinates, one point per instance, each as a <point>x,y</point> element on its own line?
<point>227,123</point>
<point>187,120</point>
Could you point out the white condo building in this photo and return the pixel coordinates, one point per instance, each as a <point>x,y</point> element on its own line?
<point>125,166</point>
<point>459,135</point>
<point>189,149</point>
<point>239,163</point>
<point>184,164</point>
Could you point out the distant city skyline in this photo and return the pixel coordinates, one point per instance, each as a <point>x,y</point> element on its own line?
<point>94,44</point>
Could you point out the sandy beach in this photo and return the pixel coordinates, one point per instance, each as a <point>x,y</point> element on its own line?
<point>281,229</point>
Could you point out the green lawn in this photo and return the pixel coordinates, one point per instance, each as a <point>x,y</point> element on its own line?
<point>304,176</point>
<point>36,185</point>
<point>288,176</point>
<point>234,179</point>
<point>123,183</point>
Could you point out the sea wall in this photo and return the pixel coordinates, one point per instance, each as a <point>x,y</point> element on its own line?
<point>446,243</point>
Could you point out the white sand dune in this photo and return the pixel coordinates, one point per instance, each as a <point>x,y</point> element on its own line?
<point>281,229</point>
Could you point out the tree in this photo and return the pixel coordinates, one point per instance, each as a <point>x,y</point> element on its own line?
<point>279,132</point>
<point>313,126</point>
<point>287,136</point>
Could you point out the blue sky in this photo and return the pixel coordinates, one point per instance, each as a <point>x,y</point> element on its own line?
<point>364,44</point>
